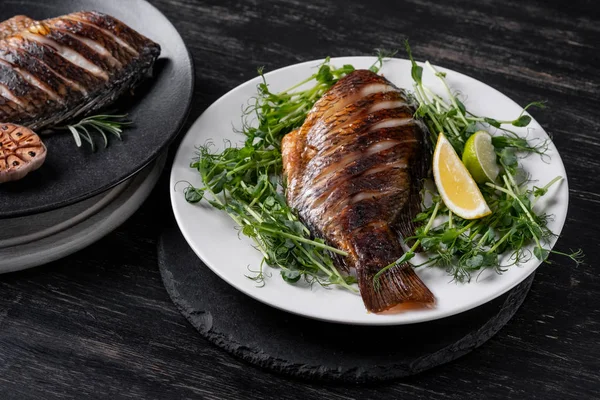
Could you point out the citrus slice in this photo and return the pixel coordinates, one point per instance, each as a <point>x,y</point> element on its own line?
<point>455,184</point>
<point>480,158</point>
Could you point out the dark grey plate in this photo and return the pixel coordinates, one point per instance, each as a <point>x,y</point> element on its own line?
<point>158,109</point>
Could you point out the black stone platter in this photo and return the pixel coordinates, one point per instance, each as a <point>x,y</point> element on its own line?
<point>310,349</point>
<point>158,109</point>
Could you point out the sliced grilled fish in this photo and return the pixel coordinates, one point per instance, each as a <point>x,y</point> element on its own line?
<point>56,69</point>
<point>354,173</point>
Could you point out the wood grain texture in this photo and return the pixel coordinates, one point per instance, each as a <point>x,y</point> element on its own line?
<point>99,324</point>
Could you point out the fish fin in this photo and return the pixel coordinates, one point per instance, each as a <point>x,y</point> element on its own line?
<point>398,288</point>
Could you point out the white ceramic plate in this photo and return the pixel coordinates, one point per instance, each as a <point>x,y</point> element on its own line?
<point>214,238</point>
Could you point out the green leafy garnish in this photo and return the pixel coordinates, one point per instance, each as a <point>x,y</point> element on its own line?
<point>111,124</point>
<point>193,195</point>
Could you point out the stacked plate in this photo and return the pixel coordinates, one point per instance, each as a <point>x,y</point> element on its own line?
<point>80,195</point>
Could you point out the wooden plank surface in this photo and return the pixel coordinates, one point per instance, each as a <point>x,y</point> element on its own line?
<point>99,323</point>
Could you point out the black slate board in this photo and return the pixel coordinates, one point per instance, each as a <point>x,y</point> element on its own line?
<point>158,109</point>
<point>311,349</point>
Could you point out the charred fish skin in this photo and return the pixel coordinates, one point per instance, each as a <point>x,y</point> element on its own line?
<point>21,152</point>
<point>60,68</point>
<point>354,173</point>
<point>14,25</point>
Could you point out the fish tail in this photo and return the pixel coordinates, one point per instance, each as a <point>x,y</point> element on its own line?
<point>398,289</point>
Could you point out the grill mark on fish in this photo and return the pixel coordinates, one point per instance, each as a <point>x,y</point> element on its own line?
<point>74,50</point>
<point>377,88</point>
<point>126,36</point>
<point>42,69</point>
<point>362,141</point>
<point>384,145</point>
<point>348,141</point>
<point>97,47</point>
<point>44,98</point>
<point>372,195</point>
<point>337,129</point>
<point>8,95</point>
<point>392,123</point>
<point>108,33</point>
<point>119,48</point>
<point>36,72</point>
<point>347,203</point>
<point>347,189</point>
<point>30,97</point>
<point>336,111</point>
<point>332,172</point>
<point>68,54</point>
<point>354,171</point>
<point>328,202</point>
<point>387,105</point>
<point>33,81</point>
<point>385,168</point>
<point>11,106</point>
<point>72,84</point>
<point>53,60</point>
<point>349,95</point>
<point>12,77</point>
<point>92,37</point>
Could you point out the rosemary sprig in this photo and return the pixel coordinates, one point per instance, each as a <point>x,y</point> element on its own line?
<point>102,124</point>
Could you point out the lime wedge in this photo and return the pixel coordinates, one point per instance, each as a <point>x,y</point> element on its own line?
<point>480,158</point>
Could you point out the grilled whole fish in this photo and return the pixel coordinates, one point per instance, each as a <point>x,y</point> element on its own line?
<point>354,173</point>
<point>21,152</point>
<point>60,68</point>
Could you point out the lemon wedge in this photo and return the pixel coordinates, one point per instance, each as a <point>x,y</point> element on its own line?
<point>455,184</point>
<point>480,158</point>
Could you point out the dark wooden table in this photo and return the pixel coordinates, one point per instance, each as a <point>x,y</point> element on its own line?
<point>99,323</point>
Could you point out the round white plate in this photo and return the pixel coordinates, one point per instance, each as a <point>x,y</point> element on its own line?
<point>215,239</point>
